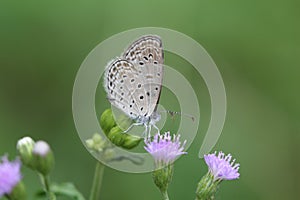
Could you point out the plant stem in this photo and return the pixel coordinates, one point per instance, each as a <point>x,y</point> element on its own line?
<point>97,182</point>
<point>46,183</point>
<point>165,195</point>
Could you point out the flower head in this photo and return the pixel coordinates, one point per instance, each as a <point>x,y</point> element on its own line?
<point>25,146</point>
<point>10,175</point>
<point>221,166</point>
<point>41,148</point>
<point>164,148</point>
<point>25,143</point>
<point>43,158</point>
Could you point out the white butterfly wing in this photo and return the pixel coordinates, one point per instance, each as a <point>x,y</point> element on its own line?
<point>133,83</point>
<point>147,54</point>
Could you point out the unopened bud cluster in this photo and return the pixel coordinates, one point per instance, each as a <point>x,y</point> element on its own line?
<point>36,155</point>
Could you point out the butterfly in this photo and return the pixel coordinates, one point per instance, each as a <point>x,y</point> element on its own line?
<point>133,81</point>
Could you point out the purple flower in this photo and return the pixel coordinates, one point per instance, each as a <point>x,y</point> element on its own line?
<point>221,166</point>
<point>10,175</point>
<point>41,148</point>
<point>164,148</point>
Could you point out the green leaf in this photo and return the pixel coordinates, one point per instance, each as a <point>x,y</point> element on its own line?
<point>64,189</point>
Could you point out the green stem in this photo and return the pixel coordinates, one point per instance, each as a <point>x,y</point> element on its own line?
<point>97,182</point>
<point>165,195</point>
<point>46,183</point>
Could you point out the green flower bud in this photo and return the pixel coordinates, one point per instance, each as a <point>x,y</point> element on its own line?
<point>207,187</point>
<point>89,143</point>
<point>123,121</point>
<point>25,147</point>
<point>97,143</point>
<point>43,158</point>
<point>97,138</point>
<point>109,154</point>
<point>116,135</point>
<point>107,121</point>
<point>131,141</point>
<point>121,139</point>
<point>18,193</point>
<point>115,130</point>
<point>162,177</point>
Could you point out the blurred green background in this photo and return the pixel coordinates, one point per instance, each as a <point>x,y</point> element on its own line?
<point>255,44</point>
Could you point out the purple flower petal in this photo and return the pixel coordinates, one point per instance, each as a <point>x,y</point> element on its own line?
<point>164,148</point>
<point>41,148</point>
<point>221,166</point>
<point>10,175</point>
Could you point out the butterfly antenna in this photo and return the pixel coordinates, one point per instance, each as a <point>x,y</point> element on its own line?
<point>173,113</point>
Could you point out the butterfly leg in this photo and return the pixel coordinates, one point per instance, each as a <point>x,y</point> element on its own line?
<point>132,125</point>
<point>144,135</point>
<point>158,131</point>
<point>149,132</point>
